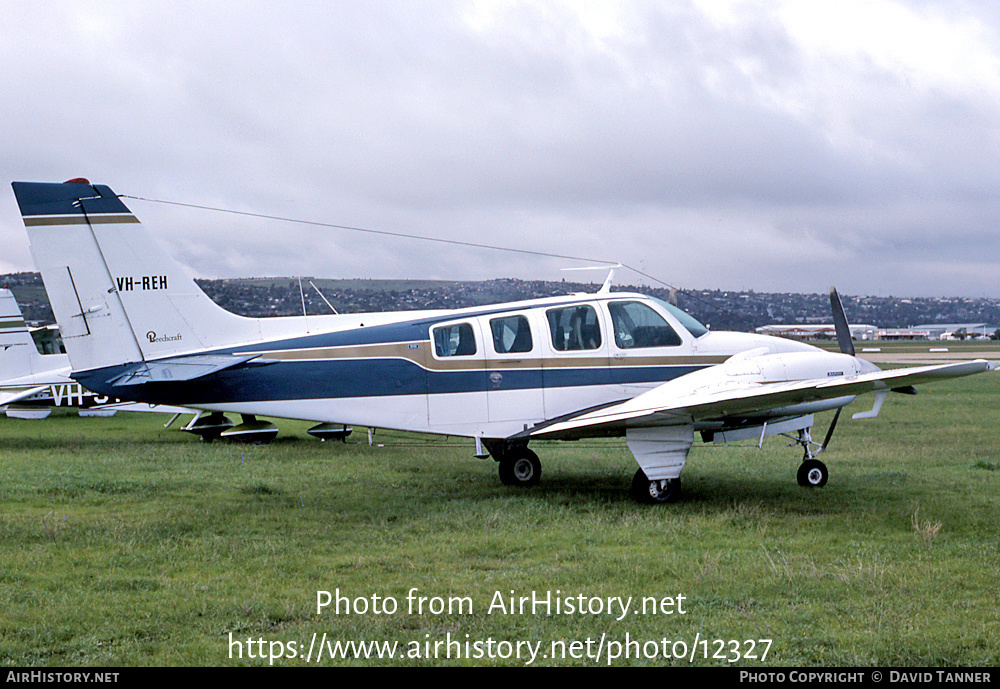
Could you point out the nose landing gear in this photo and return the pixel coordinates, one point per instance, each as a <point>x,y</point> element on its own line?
<point>812,473</point>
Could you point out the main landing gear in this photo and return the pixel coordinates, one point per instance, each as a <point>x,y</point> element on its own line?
<point>654,492</point>
<point>519,466</point>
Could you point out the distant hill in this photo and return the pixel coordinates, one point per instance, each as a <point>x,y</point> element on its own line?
<point>720,309</point>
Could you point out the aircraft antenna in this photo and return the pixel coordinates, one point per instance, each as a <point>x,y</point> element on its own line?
<point>606,287</point>
<point>321,296</point>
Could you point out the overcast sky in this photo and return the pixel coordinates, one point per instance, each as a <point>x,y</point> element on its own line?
<point>774,146</point>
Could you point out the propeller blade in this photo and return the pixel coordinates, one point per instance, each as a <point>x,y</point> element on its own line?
<point>840,323</point>
<point>833,424</point>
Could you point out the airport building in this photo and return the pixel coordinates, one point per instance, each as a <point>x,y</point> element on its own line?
<point>958,331</point>
<point>861,333</point>
<point>869,333</point>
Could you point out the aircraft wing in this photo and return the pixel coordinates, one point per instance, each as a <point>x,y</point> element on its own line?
<point>678,402</point>
<point>11,396</point>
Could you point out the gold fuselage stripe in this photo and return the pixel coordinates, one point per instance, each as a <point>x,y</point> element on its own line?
<point>419,352</point>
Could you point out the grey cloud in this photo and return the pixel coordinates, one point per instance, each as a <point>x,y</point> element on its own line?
<point>709,151</point>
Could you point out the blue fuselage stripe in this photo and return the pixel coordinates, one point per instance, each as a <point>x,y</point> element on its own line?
<point>296,380</point>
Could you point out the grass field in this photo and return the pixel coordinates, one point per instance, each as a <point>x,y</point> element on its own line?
<point>122,543</point>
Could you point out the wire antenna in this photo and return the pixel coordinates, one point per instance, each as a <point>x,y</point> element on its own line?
<point>440,240</point>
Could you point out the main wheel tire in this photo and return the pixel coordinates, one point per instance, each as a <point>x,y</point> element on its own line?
<point>655,492</point>
<point>520,467</point>
<point>813,474</point>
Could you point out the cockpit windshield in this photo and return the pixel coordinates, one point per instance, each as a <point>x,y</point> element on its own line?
<point>688,321</point>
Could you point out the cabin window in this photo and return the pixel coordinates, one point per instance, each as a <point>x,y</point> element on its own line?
<point>511,334</point>
<point>636,325</point>
<point>574,328</point>
<point>454,340</point>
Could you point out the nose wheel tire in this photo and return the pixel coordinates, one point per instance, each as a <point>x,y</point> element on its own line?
<point>655,492</point>
<point>520,467</point>
<point>813,474</point>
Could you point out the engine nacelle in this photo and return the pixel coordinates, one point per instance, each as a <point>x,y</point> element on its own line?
<point>793,366</point>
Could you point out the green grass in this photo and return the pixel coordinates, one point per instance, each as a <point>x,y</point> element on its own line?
<point>125,544</point>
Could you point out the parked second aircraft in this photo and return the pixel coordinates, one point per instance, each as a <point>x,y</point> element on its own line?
<point>32,383</point>
<point>611,363</point>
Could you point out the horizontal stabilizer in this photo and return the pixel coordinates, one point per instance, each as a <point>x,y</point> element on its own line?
<point>10,397</point>
<point>143,407</point>
<point>180,368</point>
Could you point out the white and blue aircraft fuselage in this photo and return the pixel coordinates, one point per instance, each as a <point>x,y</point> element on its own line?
<point>137,326</point>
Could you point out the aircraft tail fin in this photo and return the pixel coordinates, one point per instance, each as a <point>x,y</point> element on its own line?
<point>118,298</point>
<point>19,357</point>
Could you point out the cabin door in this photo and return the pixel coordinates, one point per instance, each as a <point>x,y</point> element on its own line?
<point>456,377</point>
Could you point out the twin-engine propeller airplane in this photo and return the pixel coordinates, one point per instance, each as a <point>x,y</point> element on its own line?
<point>624,364</point>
